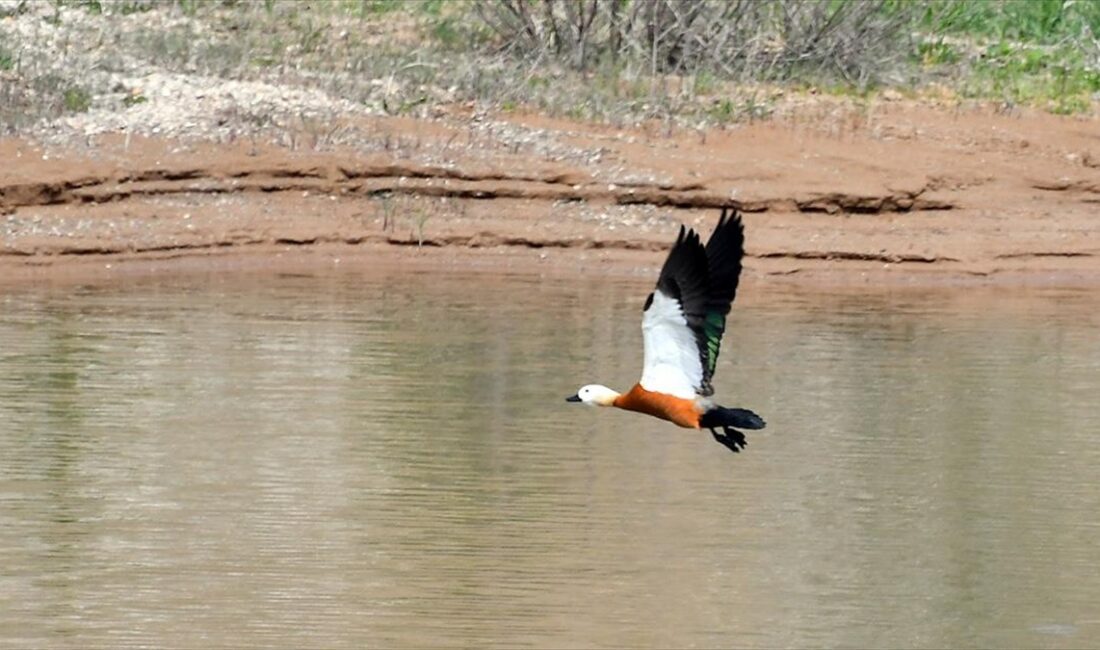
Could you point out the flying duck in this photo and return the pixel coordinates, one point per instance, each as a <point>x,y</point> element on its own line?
<point>682,324</point>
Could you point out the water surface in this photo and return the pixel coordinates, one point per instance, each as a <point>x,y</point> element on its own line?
<point>384,459</point>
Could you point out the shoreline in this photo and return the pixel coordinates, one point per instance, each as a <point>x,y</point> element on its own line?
<point>177,137</point>
<point>914,196</point>
<point>326,258</point>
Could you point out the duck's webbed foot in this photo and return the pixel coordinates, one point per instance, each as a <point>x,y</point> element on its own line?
<point>733,439</point>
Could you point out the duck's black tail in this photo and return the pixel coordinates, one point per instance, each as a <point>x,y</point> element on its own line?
<point>729,420</point>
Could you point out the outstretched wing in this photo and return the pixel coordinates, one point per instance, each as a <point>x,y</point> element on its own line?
<point>725,248</point>
<point>686,315</point>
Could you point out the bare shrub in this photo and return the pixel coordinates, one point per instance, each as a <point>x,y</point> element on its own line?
<point>760,40</point>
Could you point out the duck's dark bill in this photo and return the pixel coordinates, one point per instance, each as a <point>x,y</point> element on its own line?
<point>573,398</point>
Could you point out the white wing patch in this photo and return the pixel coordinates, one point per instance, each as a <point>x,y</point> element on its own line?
<point>672,362</point>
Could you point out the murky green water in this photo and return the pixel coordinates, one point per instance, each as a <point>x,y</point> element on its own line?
<point>385,460</point>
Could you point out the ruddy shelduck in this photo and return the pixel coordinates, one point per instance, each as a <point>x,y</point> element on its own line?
<point>682,325</point>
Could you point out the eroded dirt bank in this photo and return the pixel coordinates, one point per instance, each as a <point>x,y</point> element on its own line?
<point>901,191</point>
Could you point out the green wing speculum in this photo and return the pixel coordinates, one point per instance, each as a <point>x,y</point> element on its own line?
<point>724,250</point>
<point>713,327</point>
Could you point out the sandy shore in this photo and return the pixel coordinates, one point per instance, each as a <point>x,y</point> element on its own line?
<point>901,194</point>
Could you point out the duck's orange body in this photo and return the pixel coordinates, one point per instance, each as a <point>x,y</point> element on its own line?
<point>680,411</point>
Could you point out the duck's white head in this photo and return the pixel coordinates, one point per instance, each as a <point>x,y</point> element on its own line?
<point>594,395</point>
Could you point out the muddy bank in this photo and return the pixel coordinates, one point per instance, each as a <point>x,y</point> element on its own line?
<point>902,191</point>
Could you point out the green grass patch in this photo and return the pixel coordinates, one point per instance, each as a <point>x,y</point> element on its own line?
<point>1057,79</point>
<point>938,52</point>
<point>1034,21</point>
<point>76,99</point>
<point>133,100</point>
<point>1042,53</point>
<point>7,59</point>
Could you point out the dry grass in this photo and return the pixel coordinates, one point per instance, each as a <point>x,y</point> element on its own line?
<point>687,63</point>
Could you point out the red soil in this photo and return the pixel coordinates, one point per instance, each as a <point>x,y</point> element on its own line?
<point>906,194</point>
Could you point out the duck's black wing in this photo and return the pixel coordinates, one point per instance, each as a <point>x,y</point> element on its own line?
<point>686,315</point>
<point>725,248</point>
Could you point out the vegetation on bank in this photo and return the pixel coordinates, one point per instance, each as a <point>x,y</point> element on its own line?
<point>693,61</point>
